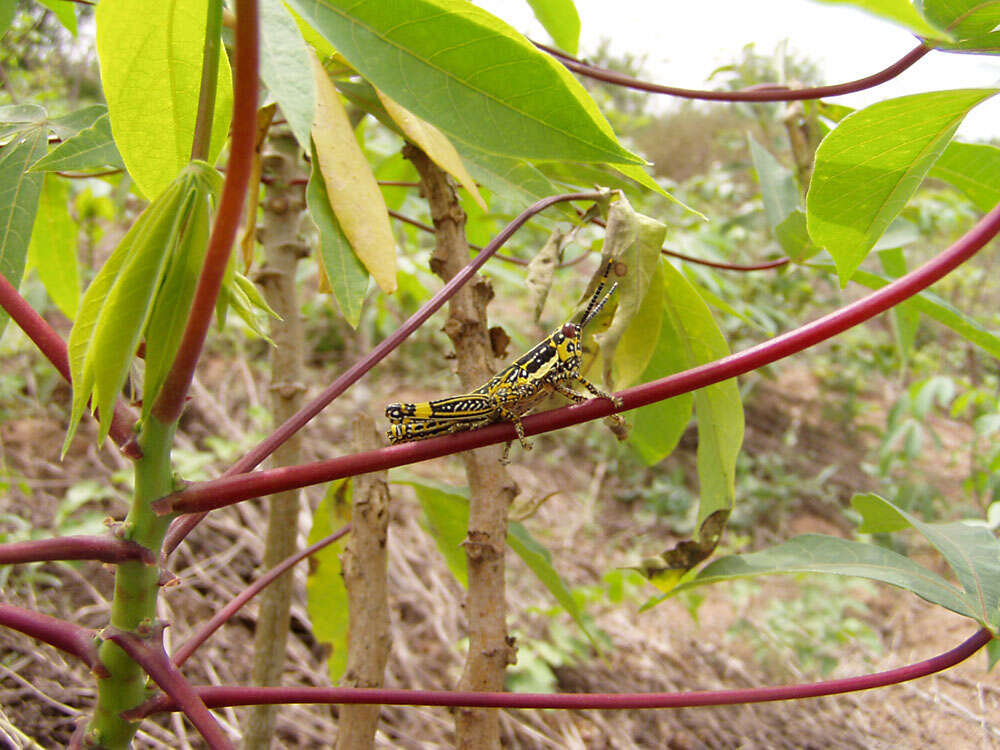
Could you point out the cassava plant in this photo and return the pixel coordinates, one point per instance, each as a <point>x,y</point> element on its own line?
<point>484,126</point>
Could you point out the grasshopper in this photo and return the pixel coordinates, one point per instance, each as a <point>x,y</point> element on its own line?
<point>550,366</point>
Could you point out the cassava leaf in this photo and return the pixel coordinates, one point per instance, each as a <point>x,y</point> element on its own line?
<point>52,251</point>
<point>869,166</point>
<point>469,74</point>
<point>151,79</point>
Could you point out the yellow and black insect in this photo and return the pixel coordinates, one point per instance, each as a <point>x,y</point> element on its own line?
<point>552,365</point>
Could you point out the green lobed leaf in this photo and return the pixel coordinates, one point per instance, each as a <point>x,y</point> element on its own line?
<point>469,74</point>
<point>640,176</point>
<point>718,407</point>
<point>815,553</point>
<point>91,148</point>
<point>971,551</point>
<point>115,306</point>
<point>870,165</point>
<point>52,251</point>
<point>657,428</point>
<point>70,124</point>
<point>18,117</point>
<point>285,68</point>
<point>901,12</point>
<point>973,24</point>
<point>19,195</point>
<point>777,185</point>
<point>347,275</point>
<point>152,81</point>
<point>326,595</point>
<point>172,306</point>
<point>973,168</point>
<point>938,309</point>
<point>560,19</point>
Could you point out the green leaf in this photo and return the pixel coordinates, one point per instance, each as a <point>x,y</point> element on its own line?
<point>469,74</point>
<point>777,185</point>
<point>70,124</point>
<point>52,251</point>
<point>973,168</point>
<point>970,550</point>
<point>641,336</point>
<point>870,165</point>
<point>347,275</point>
<point>718,407</point>
<point>657,428</point>
<point>115,306</point>
<point>152,81</point>
<point>905,315</point>
<point>973,24</point>
<point>19,194</point>
<point>638,174</point>
<point>938,309</point>
<point>91,148</point>
<point>815,553</point>
<point>794,238</point>
<point>64,12</point>
<point>169,315</point>
<point>285,68</point>
<point>17,117</point>
<point>514,180</point>
<point>446,518</point>
<point>901,12</point>
<point>539,561</point>
<point>7,10</point>
<point>560,19</point>
<point>326,595</point>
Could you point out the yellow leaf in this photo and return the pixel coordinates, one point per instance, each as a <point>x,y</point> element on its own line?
<point>435,144</point>
<point>354,194</point>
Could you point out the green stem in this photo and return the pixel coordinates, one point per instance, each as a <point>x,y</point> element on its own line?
<point>136,588</point>
<point>209,82</point>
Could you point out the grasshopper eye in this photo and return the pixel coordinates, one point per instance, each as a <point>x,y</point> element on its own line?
<point>570,330</point>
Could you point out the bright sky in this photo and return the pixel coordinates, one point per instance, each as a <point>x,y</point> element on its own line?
<point>684,41</point>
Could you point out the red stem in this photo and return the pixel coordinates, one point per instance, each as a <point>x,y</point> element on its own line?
<point>218,697</point>
<point>183,526</point>
<point>170,400</point>
<point>231,489</point>
<point>66,636</point>
<point>182,654</point>
<point>52,346</point>
<point>149,654</point>
<point>758,93</point>
<point>109,549</point>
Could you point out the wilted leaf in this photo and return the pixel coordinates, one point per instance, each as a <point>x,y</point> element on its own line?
<point>350,185</point>
<point>434,143</point>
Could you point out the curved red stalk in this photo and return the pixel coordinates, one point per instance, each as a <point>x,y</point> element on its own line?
<point>109,549</point>
<point>772,92</point>
<point>230,489</point>
<point>170,400</point>
<point>218,697</point>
